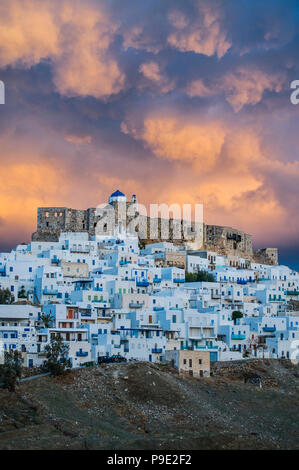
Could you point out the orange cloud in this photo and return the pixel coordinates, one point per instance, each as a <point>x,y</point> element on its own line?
<point>177,139</point>
<point>224,166</point>
<point>75,36</point>
<point>76,139</point>
<point>24,187</point>
<point>135,37</point>
<point>202,36</point>
<point>152,72</point>
<point>245,85</point>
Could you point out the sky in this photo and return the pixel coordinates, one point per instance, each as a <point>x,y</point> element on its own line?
<point>175,101</point>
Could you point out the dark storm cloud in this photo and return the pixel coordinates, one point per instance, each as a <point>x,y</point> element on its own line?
<point>170,100</point>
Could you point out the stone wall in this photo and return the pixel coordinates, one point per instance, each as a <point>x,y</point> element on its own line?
<point>223,240</point>
<point>266,256</point>
<point>227,240</point>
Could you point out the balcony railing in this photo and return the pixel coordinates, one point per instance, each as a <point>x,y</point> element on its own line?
<point>47,291</point>
<point>81,354</point>
<point>179,280</point>
<point>142,283</point>
<point>157,350</point>
<point>238,336</point>
<point>269,329</point>
<point>136,305</point>
<point>80,250</point>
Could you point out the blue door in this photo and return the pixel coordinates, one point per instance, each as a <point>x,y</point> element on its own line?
<point>30,363</point>
<point>213,356</point>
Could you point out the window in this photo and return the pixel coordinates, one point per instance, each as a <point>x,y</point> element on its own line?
<point>199,361</point>
<point>190,362</point>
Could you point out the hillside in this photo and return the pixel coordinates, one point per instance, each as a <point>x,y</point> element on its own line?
<point>146,406</point>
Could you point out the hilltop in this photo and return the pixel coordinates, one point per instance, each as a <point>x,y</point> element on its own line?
<point>145,406</point>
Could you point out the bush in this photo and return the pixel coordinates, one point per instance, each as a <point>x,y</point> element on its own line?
<point>236,314</point>
<point>22,293</point>
<point>11,370</point>
<point>47,319</point>
<point>6,296</point>
<point>200,276</point>
<point>57,356</point>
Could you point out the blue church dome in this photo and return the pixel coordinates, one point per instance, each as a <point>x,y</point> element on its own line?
<point>117,196</point>
<point>117,193</point>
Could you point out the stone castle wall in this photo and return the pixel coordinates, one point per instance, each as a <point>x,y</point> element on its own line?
<point>51,221</point>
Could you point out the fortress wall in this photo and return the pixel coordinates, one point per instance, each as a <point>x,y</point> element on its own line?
<point>224,240</point>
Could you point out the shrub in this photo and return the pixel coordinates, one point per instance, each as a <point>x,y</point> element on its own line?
<point>200,276</point>
<point>57,356</point>
<point>11,370</point>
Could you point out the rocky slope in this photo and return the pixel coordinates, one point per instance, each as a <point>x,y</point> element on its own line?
<point>146,406</point>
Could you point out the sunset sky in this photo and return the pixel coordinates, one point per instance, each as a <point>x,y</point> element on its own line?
<point>177,101</point>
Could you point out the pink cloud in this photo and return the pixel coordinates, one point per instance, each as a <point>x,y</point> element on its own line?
<point>75,36</point>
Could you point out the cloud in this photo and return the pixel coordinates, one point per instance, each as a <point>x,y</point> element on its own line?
<point>78,140</point>
<point>224,165</point>
<point>135,72</point>
<point>178,140</point>
<point>76,38</point>
<point>152,72</point>
<point>137,37</point>
<point>245,85</point>
<point>204,34</point>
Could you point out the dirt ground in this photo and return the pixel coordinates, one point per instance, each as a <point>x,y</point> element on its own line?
<point>147,406</point>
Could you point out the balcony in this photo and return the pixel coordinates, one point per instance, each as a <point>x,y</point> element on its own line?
<point>47,291</point>
<point>179,280</point>
<point>215,296</point>
<point>157,280</point>
<point>292,292</point>
<point>157,351</point>
<point>238,336</point>
<point>79,250</point>
<point>144,283</point>
<point>55,261</point>
<point>269,329</point>
<point>81,354</point>
<point>199,336</point>
<point>158,309</point>
<point>136,305</point>
<point>123,262</point>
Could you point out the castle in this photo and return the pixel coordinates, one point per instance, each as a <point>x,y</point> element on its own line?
<point>122,214</point>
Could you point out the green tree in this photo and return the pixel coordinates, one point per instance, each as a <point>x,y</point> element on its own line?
<point>236,314</point>
<point>11,370</point>
<point>47,319</point>
<point>57,356</point>
<point>200,276</point>
<point>6,296</point>
<point>22,293</point>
